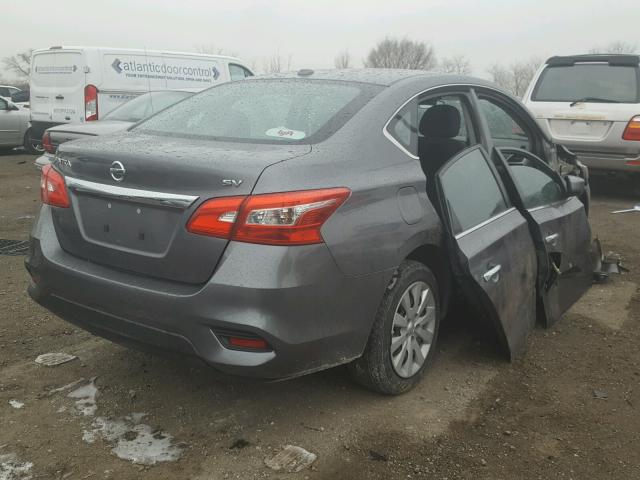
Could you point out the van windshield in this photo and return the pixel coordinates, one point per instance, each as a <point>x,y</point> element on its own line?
<point>145,105</point>
<point>265,111</point>
<point>601,82</point>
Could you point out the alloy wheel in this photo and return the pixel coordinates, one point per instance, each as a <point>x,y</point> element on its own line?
<point>413,328</point>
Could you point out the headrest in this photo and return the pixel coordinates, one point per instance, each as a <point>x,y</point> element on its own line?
<point>440,121</point>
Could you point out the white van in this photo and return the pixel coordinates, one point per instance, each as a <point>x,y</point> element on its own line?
<point>81,84</point>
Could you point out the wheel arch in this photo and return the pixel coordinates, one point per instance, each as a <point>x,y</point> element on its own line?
<point>435,257</point>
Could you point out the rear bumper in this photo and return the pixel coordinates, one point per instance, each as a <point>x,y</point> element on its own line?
<point>311,315</point>
<point>611,162</point>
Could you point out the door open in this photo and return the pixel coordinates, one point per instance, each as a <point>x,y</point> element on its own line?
<point>559,227</point>
<point>492,252</point>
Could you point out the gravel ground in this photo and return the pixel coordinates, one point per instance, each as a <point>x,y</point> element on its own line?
<point>567,409</point>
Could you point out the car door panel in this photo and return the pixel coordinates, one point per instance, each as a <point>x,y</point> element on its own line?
<point>560,230</point>
<point>493,255</point>
<point>567,241</point>
<point>9,125</point>
<point>499,263</point>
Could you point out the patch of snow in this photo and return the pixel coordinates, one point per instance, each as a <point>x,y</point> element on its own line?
<point>54,359</point>
<point>291,459</point>
<point>16,403</point>
<point>134,441</point>
<point>12,469</point>
<point>86,399</point>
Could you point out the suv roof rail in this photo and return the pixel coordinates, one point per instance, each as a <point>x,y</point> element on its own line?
<point>611,59</point>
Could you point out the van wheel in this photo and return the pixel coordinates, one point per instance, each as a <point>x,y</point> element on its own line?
<point>32,145</point>
<point>403,338</point>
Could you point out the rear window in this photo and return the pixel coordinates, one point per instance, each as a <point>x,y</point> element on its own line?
<point>145,105</point>
<point>58,68</point>
<point>598,81</point>
<point>264,111</point>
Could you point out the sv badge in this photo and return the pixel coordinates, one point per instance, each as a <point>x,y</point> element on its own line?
<point>231,182</point>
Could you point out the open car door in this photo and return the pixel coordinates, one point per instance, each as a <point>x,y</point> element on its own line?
<point>492,252</point>
<point>559,227</point>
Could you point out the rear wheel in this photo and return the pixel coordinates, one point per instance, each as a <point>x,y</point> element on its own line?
<point>402,341</point>
<point>32,145</point>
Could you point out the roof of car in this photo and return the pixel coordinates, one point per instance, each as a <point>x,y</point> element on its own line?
<point>611,59</point>
<point>378,76</point>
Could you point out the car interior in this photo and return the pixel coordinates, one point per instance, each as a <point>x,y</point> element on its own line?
<point>442,134</point>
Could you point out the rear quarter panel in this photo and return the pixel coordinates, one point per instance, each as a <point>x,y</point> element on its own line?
<point>368,233</point>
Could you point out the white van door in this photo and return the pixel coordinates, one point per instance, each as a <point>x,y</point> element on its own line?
<point>57,86</point>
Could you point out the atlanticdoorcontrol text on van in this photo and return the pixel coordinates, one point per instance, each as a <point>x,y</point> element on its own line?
<point>80,84</point>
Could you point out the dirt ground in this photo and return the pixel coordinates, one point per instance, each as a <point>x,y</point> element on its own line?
<point>569,409</point>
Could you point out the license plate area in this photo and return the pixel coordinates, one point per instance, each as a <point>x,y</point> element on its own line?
<point>127,225</point>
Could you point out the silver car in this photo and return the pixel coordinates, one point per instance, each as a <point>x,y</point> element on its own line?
<point>14,124</point>
<point>591,105</point>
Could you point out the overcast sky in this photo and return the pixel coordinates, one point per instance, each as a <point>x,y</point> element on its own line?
<point>314,32</point>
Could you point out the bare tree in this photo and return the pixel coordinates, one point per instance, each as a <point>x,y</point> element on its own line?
<point>458,64</point>
<point>616,47</point>
<point>343,60</point>
<point>276,64</point>
<point>516,77</point>
<point>213,50</point>
<point>19,64</point>
<point>405,53</point>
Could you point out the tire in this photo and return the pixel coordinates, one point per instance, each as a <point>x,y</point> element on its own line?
<point>31,145</point>
<point>380,370</point>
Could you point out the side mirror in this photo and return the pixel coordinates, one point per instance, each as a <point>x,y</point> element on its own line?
<point>12,106</point>
<point>575,185</point>
<point>566,154</point>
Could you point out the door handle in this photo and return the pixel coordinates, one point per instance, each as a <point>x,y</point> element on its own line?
<point>492,274</point>
<point>552,239</point>
<point>59,97</point>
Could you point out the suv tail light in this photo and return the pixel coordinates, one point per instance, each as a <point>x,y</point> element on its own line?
<point>291,218</point>
<point>632,132</point>
<point>53,190</point>
<point>90,103</point>
<point>46,143</point>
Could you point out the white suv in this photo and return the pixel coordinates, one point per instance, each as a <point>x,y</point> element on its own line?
<point>591,105</point>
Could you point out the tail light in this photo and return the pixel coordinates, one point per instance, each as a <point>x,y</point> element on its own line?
<point>632,132</point>
<point>291,218</point>
<point>53,190</point>
<point>90,103</point>
<point>46,143</point>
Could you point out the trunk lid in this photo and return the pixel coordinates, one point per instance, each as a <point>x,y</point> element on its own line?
<point>138,224</point>
<point>66,133</point>
<point>586,126</point>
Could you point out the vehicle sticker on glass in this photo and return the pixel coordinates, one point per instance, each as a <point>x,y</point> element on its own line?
<point>284,132</point>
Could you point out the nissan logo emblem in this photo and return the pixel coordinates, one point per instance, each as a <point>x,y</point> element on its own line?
<point>117,171</point>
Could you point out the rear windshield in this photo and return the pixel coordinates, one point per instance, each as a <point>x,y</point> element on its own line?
<point>603,82</point>
<point>145,105</point>
<point>264,111</point>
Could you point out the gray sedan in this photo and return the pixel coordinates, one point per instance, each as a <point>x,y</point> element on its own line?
<point>118,119</point>
<point>281,225</point>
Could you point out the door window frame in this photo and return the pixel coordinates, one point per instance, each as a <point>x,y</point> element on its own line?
<point>518,114</point>
<point>501,187</point>
<point>245,69</point>
<point>514,189</point>
<point>462,90</point>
